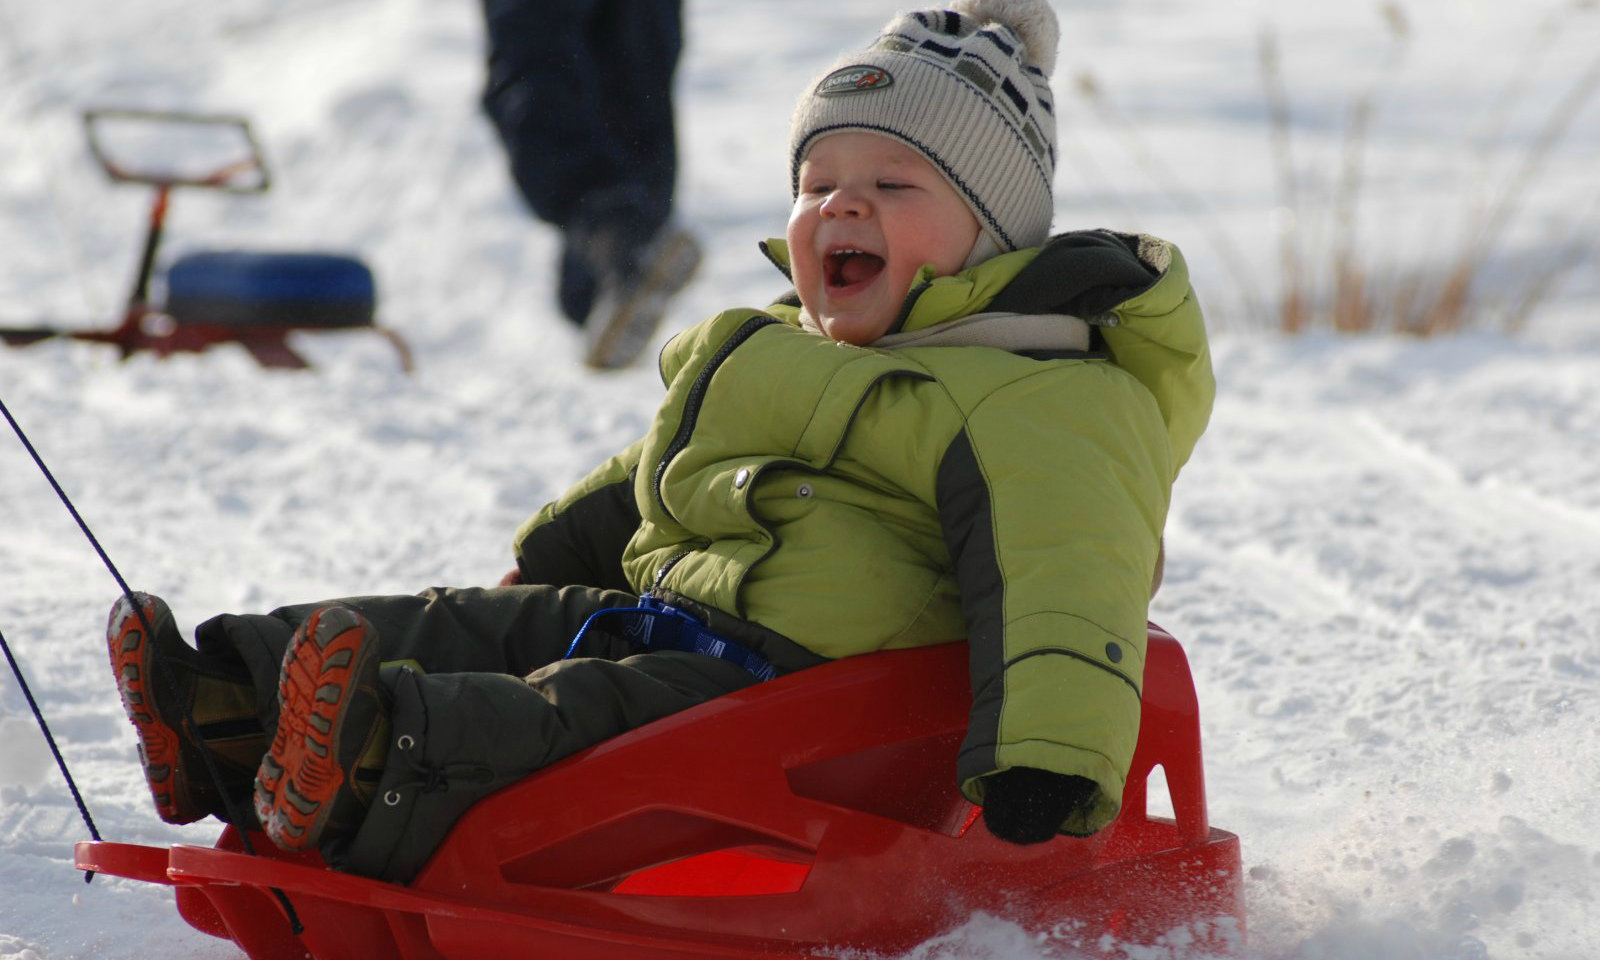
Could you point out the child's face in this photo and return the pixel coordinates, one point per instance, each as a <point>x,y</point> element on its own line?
<point>871,212</point>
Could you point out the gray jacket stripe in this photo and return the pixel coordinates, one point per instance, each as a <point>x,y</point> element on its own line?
<point>965,512</point>
<point>583,544</point>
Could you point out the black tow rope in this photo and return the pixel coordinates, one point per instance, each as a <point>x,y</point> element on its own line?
<point>167,678</point>
<point>38,716</point>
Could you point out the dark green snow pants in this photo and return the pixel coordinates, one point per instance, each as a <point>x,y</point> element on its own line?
<point>481,696</point>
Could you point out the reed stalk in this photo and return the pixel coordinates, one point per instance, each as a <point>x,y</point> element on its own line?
<point>1329,277</point>
<point>1449,309</point>
<point>1179,195</point>
<point>1353,307</point>
<point>1293,312</point>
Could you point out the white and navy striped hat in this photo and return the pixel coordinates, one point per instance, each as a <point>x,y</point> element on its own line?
<point>969,88</point>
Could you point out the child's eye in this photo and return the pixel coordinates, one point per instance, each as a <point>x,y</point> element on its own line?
<point>893,185</point>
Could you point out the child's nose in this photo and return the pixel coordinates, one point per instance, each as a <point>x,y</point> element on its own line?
<point>844,202</point>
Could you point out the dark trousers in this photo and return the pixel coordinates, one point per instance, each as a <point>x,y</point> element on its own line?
<point>480,697</point>
<point>580,92</point>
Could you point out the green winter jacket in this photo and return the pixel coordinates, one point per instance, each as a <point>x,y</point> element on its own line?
<point>821,500</point>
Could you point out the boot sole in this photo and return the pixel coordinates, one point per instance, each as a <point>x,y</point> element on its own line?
<point>300,777</point>
<point>161,752</point>
<point>644,306</point>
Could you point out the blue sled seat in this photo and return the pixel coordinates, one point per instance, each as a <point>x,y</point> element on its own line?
<point>271,289</point>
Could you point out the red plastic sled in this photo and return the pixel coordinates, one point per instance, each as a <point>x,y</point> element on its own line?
<point>810,815</point>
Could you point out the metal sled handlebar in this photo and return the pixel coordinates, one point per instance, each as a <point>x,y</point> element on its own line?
<point>220,175</point>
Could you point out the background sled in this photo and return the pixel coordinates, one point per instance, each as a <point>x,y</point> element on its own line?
<point>253,299</point>
<point>808,815</point>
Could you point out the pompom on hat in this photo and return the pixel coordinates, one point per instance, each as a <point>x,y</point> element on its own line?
<point>968,87</point>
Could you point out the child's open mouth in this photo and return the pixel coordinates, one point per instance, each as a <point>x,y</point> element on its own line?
<point>849,267</point>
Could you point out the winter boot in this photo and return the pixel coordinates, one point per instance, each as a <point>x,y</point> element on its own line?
<point>143,640</point>
<point>578,286</point>
<point>636,285</point>
<point>317,779</point>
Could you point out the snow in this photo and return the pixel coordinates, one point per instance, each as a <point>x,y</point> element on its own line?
<point>1382,560</point>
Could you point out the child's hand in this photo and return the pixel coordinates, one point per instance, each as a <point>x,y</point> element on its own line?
<point>1026,805</point>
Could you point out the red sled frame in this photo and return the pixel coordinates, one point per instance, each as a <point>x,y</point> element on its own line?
<point>810,815</point>
<point>145,326</point>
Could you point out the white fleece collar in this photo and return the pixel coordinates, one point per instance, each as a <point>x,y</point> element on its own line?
<point>1014,332</point>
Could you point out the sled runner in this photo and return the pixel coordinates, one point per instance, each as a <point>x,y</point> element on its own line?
<point>253,299</point>
<point>797,818</point>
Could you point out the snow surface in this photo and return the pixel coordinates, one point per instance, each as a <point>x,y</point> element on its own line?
<point>1384,557</point>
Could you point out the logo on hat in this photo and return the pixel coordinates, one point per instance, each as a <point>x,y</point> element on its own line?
<point>857,79</point>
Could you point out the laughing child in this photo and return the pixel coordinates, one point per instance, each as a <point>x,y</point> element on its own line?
<point>956,426</point>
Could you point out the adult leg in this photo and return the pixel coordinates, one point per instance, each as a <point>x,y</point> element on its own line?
<point>647,35</point>
<point>544,98</point>
<point>581,94</point>
<point>641,257</point>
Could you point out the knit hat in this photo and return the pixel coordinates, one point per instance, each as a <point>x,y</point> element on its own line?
<point>968,87</point>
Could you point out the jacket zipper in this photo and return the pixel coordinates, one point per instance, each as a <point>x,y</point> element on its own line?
<point>907,306</point>
<point>697,394</point>
<point>666,568</point>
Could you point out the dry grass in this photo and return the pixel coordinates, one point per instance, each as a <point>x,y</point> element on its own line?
<point>1328,277</point>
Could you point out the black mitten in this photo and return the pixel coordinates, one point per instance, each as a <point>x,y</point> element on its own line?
<point>1083,273</point>
<point>1026,805</point>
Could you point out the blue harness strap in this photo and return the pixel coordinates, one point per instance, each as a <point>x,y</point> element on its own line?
<point>657,625</point>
